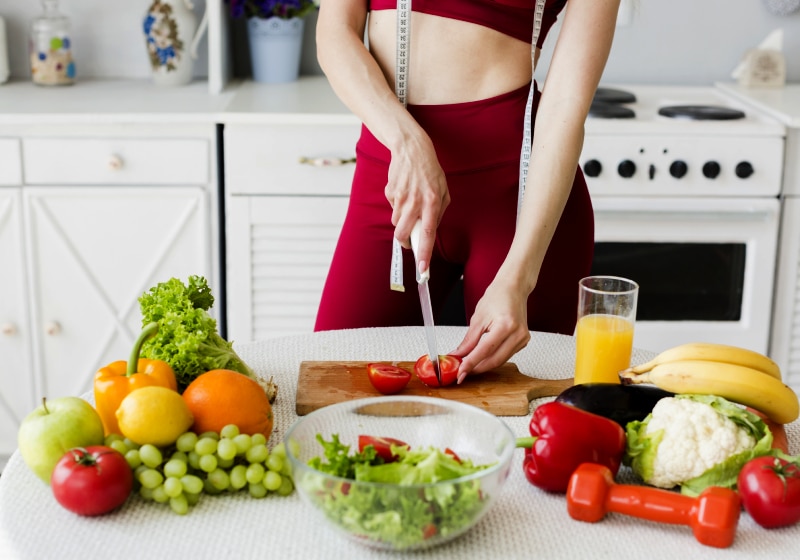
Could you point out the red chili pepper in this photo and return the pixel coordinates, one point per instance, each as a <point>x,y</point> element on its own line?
<point>564,437</point>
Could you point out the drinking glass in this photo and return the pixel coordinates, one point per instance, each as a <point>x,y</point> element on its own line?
<point>604,332</point>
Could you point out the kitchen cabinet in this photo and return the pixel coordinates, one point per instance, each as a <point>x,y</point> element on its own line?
<point>99,214</point>
<point>289,154</point>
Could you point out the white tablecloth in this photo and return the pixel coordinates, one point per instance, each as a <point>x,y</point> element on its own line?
<point>525,522</point>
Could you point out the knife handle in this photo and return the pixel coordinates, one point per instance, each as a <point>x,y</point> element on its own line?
<point>415,233</point>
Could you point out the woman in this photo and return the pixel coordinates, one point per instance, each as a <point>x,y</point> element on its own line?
<point>451,158</point>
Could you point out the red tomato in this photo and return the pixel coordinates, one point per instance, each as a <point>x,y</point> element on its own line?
<point>453,454</point>
<point>387,378</point>
<point>448,364</point>
<point>92,480</point>
<point>770,491</point>
<point>382,445</point>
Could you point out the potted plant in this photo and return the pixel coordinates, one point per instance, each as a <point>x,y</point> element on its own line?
<point>275,33</point>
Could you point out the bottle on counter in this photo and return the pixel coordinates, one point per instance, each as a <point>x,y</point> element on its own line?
<point>51,47</point>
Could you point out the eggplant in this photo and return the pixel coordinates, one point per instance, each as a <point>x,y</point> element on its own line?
<point>620,403</point>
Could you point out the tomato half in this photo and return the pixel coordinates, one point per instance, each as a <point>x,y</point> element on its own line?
<point>387,378</point>
<point>92,481</point>
<point>382,445</point>
<point>448,364</point>
<point>770,491</point>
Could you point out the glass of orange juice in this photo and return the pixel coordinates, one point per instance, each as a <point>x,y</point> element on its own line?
<point>604,333</point>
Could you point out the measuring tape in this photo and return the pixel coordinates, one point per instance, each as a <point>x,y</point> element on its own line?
<point>527,136</point>
<point>401,90</point>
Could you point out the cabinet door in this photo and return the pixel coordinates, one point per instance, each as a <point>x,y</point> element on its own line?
<point>17,397</point>
<point>279,250</point>
<point>785,340</point>
<point>93,252</point>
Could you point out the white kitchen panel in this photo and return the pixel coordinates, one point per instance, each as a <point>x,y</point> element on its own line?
<point>120,161</point>
<point>17,397</point>
<point>290,158</point>
<point>279,252</point>
<point>785,343</point>
<point>10,162</point>
<point>93,252</point>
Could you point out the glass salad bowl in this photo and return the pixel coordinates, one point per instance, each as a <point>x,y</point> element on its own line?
<point>448,475</point>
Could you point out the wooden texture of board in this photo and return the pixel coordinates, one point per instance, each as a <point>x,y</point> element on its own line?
<point>504,391</point>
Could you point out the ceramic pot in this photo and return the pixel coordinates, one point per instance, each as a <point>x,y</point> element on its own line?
<point>276,46</point>
<point>172,34</point>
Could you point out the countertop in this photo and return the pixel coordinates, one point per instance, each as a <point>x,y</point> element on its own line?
<point>782,103</point>
<point>524,523</point>
<point>141,101</point>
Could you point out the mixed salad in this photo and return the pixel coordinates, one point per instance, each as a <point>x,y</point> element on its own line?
<point>386,512</point>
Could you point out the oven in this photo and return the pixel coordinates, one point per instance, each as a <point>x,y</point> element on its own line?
<point>685,186</point>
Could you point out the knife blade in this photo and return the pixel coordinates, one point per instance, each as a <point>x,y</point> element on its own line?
<point>425,303</point>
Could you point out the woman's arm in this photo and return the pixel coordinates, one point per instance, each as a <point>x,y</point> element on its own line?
<point>416,186</point>
<point>498,328</point>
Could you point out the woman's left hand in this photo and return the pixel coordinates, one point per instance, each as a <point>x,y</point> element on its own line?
<point>497,330</point>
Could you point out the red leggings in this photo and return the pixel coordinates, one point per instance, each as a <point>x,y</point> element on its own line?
<point>478,146</point>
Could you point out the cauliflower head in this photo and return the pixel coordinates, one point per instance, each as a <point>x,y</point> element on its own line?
<point>687,436</point>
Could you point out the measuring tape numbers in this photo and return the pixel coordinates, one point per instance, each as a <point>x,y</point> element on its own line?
<point>401,90</point>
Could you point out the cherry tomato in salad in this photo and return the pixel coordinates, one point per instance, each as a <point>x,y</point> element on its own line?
<point>448,364</point>
<point>388,379</point>
<point>770,491</point>
<point>382,445</point>
<point>92,480</point>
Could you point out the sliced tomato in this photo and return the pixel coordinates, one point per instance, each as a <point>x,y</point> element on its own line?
<point>387,378</point>
<point>382,445</point>
<point>453,454</point>
<point>448,364</point>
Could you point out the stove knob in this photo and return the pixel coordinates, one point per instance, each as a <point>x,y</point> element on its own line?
<point>744,169</point>
<point>626,169</point>
<point>592,168</point>
<point>678,169</point>
<point>711,169</point>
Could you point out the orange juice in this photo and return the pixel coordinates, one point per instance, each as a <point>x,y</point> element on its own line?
<point>604,344</point>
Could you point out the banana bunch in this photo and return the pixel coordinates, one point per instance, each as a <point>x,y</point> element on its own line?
<point>736,374</point>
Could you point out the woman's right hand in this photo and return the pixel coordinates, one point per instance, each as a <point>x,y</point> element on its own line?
<point>417,189</point>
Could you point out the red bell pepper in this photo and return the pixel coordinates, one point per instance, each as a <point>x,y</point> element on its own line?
<point>565,436</point>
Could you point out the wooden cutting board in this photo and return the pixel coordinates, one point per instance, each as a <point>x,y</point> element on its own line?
<point>503,391</point>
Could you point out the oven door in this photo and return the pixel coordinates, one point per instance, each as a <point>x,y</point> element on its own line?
<point>705,266</point>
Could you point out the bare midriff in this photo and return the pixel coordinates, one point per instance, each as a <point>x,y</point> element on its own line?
<point>451,61</point>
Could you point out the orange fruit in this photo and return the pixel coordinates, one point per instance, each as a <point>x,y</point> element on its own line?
<point>220,397</point>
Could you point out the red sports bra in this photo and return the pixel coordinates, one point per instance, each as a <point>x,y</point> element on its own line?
<point>510,17</point>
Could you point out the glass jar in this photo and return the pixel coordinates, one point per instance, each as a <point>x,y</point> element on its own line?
<point>51,47</point>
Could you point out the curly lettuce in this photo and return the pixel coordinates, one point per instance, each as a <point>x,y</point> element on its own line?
<point>187,337</point>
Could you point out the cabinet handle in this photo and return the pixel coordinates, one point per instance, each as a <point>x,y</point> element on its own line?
<point>326,161</point>
<point>52,328</point>
<point>115,162</point>
<point>8,329</point>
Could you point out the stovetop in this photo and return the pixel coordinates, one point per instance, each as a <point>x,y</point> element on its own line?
<point>666,145</point>
<point>649,100</point>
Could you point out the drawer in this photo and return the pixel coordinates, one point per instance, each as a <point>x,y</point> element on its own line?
<point>299,159</point>
<point>10,162</point>
<point>123,161</point>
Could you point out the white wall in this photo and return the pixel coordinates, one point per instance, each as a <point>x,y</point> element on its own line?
<point>668,41</point>
<point>108,40</point>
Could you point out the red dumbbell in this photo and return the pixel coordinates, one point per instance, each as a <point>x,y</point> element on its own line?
<point>713,515</point>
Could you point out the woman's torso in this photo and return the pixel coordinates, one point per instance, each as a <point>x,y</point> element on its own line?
<point>455,61</point>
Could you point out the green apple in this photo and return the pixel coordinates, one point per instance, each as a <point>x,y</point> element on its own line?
<point>55,427</point>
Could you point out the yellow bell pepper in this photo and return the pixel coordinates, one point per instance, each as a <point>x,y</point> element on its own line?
<point>117,380</point>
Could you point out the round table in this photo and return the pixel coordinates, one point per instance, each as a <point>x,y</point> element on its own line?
<point>524,523</point>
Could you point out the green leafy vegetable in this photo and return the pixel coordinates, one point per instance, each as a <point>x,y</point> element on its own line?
<point>387,512</point>
<point>187,337</point>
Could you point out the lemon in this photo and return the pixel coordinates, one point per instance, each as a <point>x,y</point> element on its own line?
<point>154,415</point>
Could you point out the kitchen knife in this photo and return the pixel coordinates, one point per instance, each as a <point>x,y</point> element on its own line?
<point>425,302</point>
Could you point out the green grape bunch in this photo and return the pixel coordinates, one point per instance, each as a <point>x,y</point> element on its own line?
<point>209,463</point>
